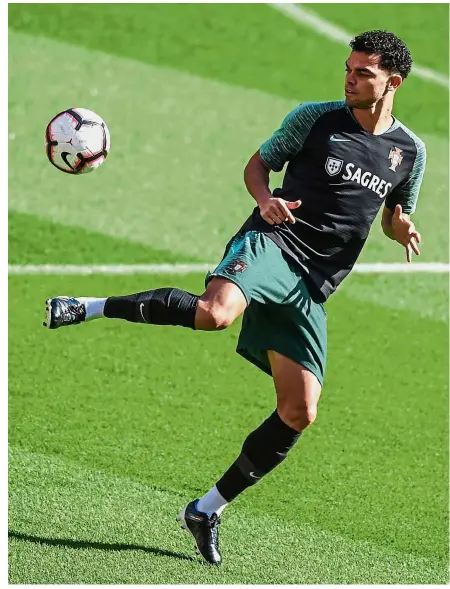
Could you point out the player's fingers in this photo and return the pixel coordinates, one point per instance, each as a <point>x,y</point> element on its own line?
<point>276,219</point>
<point>288,216</point>
<point>398,210</point>
<point>408,253</point>
<point>414,246</point>
<point>416,235</point>
<point>267,218</point>
<point>286,213</point>
<point>278,213</point>
<point>293,205</point>
<point>274,214</point>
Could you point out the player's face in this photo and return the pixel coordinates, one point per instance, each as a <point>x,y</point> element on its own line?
<point>365,82</point>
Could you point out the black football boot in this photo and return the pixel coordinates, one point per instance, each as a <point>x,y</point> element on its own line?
<point>63,311</point>
<point>204,529</point>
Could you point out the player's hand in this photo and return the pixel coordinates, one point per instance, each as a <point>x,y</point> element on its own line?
<point>405,233</point>
<point>277,210</point>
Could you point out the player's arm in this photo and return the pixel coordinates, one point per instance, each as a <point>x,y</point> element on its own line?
<point>401,203</point>
<point>273,210</point>
<point>256,178</point>
<point>282,146</point>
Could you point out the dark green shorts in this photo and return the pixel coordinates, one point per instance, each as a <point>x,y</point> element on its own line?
<point>281,315</point>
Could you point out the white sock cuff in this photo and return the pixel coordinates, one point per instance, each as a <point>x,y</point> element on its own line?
<point>212,502</point>
<point>94,307</point>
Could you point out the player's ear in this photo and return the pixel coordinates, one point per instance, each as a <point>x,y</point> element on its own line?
<point>394,82</point>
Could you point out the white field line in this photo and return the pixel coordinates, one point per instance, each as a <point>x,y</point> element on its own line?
<point>335,33</point>
<point>377,268</point>
<point>110,269</point>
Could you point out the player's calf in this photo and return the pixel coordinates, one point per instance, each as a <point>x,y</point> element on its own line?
<point>263,450</point>
<point>298,392</point>
<point>161,306</point>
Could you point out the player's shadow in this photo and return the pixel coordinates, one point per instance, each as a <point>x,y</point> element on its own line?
<point>98,545</point>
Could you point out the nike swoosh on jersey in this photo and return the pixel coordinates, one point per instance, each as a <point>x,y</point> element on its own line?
<point>253,475</point>
<point>333,138</point>
<point>140,309</point>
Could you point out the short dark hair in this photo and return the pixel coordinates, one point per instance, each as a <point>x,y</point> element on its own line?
<point>395,55</point>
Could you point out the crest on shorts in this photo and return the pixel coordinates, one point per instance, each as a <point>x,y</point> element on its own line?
<point>333,166</point>
<point>237,267</point>
<point>395,155</point>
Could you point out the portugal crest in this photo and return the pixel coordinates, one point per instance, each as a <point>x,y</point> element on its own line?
<point>395,155</point>
<point>333,166</point>
<point>236,267</point>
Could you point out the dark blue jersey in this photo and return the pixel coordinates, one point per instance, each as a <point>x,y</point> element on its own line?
<point>342,174</point>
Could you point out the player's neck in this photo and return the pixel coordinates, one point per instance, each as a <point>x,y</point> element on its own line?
<point>375,120</point>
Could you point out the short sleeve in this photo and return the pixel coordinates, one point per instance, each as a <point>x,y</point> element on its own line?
<point>288,140</point>
<point>407,192</point>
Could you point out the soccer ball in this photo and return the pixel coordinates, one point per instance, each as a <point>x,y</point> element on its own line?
<point>77,141</point>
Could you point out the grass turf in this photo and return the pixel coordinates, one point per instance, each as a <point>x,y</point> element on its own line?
<point>34,240</point>
<point>80,525</point>
<point>411,22</point>
<point>249,45</point>
<point>108,422</point>
<point>124,399</point>
<point>137,195</point>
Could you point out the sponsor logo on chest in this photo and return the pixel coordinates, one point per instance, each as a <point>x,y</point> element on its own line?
<point>352,173</point>
<point>366,179</point>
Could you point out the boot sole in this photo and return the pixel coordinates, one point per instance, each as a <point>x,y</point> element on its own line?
<point>48,312</point>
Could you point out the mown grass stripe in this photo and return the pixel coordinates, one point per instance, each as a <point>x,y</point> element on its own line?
<point>335,33</point>
<point>120,530</point>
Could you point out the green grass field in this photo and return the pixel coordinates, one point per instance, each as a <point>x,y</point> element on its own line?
<point>113,427</point>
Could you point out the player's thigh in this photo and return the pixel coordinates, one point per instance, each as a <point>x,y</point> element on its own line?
<point>232,285</point>
<point>222,296</point>
<point>295,329</point>
<point>298,388</point>
<point>257,266</point>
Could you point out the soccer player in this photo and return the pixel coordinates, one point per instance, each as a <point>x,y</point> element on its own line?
<point>345,159</point>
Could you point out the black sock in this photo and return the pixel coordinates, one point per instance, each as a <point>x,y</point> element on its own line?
<point>162,306</point>
<point>262,451</point>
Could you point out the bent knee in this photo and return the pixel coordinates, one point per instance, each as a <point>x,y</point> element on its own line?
<point>298,416</point>
<point>213,317</point>
<point>221,319</point>
<point>221,303</point>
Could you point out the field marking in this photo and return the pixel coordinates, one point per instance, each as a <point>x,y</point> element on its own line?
<point>109,269</point>
<point>400,268</point>
<point>335,33</point>
<point>117,269</point>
